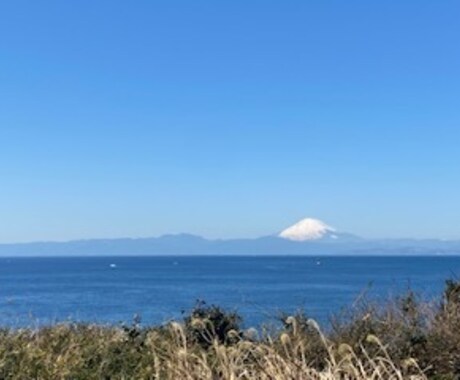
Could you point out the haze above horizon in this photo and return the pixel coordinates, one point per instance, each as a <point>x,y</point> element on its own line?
<point>228,119</point>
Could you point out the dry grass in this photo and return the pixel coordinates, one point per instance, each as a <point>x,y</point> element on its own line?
<point>94,352</point>
<point>405,339</point>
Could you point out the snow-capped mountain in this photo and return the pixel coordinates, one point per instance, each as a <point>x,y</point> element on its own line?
<point>308,229</point>
<point>314,230</point>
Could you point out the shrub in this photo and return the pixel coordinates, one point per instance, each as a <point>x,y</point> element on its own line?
<point>207,323</point>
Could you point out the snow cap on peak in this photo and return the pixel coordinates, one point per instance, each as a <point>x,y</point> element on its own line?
<point>306,229</point>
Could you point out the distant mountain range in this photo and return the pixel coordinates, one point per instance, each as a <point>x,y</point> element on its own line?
<point>307,237</point>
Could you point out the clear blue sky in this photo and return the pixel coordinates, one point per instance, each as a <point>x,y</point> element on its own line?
<point>228,119</point>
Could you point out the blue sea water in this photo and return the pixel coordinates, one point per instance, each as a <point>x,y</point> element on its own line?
<point>37,291</point>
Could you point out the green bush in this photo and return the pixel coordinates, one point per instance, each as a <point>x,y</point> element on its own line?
<point>207,323</point>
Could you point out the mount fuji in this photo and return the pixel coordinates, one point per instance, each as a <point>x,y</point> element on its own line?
<point>310,229</point>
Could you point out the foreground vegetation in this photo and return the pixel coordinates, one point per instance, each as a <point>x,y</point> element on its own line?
<point>403,339</point>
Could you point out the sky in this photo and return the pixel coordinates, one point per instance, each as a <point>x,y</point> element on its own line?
<point>228,119</point>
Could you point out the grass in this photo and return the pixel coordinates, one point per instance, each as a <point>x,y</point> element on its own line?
<point>403,339</point>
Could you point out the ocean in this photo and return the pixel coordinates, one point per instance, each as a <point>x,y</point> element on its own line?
<point>38,291</point>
